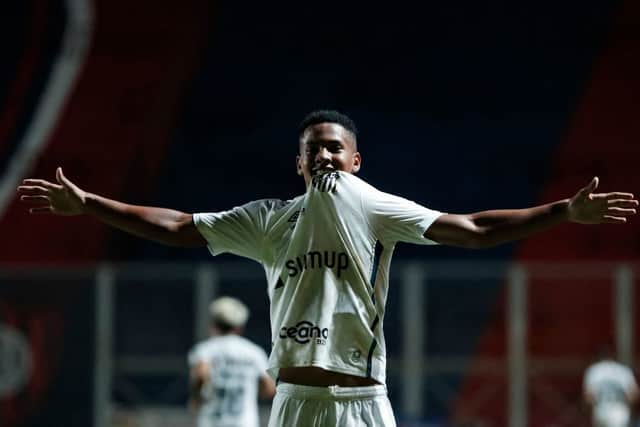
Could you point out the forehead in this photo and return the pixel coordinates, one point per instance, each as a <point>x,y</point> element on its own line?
<point>324,132</point>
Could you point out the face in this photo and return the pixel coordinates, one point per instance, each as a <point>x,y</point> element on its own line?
<point>325,147</point>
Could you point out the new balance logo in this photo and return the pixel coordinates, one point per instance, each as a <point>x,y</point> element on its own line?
<point>293,219</point>
<point>326,182</point>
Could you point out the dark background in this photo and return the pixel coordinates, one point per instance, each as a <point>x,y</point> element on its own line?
<point>194,105</point>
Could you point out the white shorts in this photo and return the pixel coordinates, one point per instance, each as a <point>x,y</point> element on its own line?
<point>306,406</point>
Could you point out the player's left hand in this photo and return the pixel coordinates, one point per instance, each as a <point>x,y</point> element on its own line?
<point>587,207</point>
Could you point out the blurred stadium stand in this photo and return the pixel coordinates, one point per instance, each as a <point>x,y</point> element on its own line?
<point>194,105</point>
<point>137,322</point>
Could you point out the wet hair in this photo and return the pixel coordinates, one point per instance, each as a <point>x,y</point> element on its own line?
<point>327,116</point>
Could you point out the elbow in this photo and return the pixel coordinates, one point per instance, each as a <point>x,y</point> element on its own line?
<point>183,233</point>
<point>478,244</point>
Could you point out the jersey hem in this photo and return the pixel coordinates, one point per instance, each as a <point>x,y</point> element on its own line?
<point>424,226</point>
<point>274,371</point>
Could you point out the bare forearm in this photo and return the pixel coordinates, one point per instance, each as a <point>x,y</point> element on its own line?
<point>157,224</point>
<point>490,228</point>
<point>501,226</point>
<point>195,393</point>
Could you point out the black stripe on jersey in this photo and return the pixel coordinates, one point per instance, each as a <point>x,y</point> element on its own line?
<point>370,356</point>
<point>374,344</point>
<point>326,180</point>
<point>375,323</point>
<point>377,252</point>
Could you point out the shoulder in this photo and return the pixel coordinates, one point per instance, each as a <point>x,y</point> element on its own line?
<point>266,206</point>
<point>202,349</point>
<point>252,348</point>
<point>262,208</point>
<point>210,342</point>
<point>355,181</point>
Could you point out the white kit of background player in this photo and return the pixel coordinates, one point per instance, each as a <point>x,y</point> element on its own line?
<point>228,372</point>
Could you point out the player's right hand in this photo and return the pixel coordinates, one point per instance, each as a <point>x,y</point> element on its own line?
<point>63,198</point>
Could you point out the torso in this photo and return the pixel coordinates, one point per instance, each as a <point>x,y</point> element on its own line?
<point>326,256</point>
<point>318,377</point>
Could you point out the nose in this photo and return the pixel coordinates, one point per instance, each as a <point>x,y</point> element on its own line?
<point>323,155</point>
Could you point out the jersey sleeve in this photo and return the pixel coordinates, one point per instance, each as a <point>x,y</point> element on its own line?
<point>262,362</point>
<point>396,219</point>
<point>195,355</point>
<point>239,231</point>
<point>629,380</point>
<point>587,381</point>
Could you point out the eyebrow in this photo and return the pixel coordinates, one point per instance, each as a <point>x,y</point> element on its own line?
<point>325,141</point>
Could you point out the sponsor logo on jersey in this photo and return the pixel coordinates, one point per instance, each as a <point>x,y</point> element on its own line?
<point>304,331</point>
<point>339,261</point>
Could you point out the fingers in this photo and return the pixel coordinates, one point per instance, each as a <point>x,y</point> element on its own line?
<point>610,219</point>
<point>622,203</point>
<point>32,190</point>
<point>35,199</point>
<point>585,192</point>
<point>59,174</point>
<point>615,195</point>
<point>63,179</point>
<point>621,211</point>
<point>592,186</point>
<point>41,183</point>
<point>41,210</point>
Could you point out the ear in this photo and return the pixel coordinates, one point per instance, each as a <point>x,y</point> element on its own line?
<point>357,161</point>
<point>299,165</point>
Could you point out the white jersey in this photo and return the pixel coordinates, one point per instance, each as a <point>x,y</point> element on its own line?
<point>609,381</point>
<point>326,255</point>
<point>231,397</point>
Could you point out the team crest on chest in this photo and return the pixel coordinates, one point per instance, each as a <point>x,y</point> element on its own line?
<point>326,182</point>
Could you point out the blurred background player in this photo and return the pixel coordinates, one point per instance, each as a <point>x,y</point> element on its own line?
<point>228,372</point>
<point>610,390</point>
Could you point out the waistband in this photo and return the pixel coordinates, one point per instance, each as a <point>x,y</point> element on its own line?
<point>333,392</point>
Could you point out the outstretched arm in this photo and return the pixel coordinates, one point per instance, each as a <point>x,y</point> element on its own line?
<point>491,228</point>
<point>166,226</point>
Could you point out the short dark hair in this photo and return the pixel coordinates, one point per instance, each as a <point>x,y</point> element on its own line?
<point>327,116</point>
<point>222,326</point>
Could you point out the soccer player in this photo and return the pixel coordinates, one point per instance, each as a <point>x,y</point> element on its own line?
<point>326,254</point>
<point>610,389</point>
<point>228,372</point>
